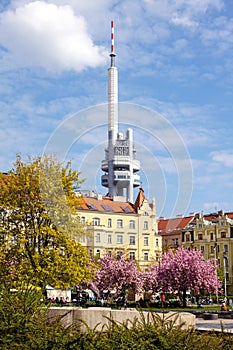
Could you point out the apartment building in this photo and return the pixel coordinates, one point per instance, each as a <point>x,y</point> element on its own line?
<point>117,227</point>
<point>212,234</point>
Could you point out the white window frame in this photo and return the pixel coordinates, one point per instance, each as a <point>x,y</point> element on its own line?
<point>119,239</point>
<point>132,224</point>
<point>132,240</point>
<point>146,241</point>
<point>145,225</point>
<point>119,223</point>
<point>131,255</point>
<point>146,256</point>
<point>96,221</point>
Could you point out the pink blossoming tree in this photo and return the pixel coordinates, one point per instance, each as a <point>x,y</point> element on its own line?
<point>150,279</point>
<point>119,275</point>
<point>186,269</point>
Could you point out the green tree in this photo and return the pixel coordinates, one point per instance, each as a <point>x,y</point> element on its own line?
<point>39,226</point>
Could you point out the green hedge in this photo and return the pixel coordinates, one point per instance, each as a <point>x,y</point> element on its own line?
<point>24,325</point>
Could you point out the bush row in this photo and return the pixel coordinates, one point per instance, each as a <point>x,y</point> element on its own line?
<point>24,325</point>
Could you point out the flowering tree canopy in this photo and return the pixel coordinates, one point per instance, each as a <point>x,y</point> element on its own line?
<point>186,269</point>
<point>119,275</point>
<point>150,279</point>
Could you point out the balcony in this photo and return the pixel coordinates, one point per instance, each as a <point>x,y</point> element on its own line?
<point>121,162</point>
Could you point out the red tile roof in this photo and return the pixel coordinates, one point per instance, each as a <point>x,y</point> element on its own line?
<point>106,204</point>
<point>216,216</point>
<point>140,199</point>
<point>229,215</point>
<point>174,225</point>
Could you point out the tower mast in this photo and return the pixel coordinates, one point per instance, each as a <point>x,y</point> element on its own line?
<point>112,114</point>
<point>119,164</point>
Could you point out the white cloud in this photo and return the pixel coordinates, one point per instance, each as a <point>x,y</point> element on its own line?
<point>49,36</point>
<point>224,157</point>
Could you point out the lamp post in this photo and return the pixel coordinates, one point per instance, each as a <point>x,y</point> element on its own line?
<point>225,274</point>
<point>215,258</point>
<point>215,264</point>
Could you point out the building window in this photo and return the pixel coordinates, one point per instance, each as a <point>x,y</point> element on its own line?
<point>200,236</point>
<point>109,239</point>
<point>145,213</point>
<point>212,249</point>
<point>90,253</point>
<point>119,239</point>
<point>82,219</point>
<point>98,253</point>
<point>132,224</point>
<point>202,249</point>
<point>211,236</point>
<point>132,255</point>
<point>176,242</point>
<point>156,242</point>
<point>146,241</point>
<point>119,223</point>
<point>145,227</point>
<point>146,256</point>
<point>199,225</point>
<point>83,239</point>
<point>96,221</point>
<point>109,222</point>
<point>222,223</point>
<point>223,234</point>
<point>225,249</point>
<point>119,254</point>
<point>187,237</point>
<point>109,253</point>
<point>98,238</point>
<point>132,240</point>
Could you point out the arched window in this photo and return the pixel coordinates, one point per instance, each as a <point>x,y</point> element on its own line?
<point>132,224</point>
<point>119,223</point>
<point>109,222</point>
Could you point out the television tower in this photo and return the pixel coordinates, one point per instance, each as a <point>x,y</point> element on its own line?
<point>120,165</point>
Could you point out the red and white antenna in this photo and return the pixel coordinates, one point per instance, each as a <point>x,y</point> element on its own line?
<point>112,37</point>
<point>112,54</point>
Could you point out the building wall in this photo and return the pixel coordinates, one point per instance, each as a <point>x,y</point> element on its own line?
<point>214,238</point>
<point>133,234</point>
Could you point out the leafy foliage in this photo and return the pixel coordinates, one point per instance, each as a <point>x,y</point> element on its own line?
<point>25,325</point>
<point>39,227</point>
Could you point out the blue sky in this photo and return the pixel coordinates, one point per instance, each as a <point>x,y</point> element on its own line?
<point>175,61</point>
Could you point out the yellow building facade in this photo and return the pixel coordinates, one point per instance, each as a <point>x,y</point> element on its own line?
<point>116,227</point>
<point>212,234</point>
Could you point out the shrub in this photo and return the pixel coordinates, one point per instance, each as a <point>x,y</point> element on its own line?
<point>24,324</point>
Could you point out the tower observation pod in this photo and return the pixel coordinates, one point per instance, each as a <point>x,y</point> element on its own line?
<point>120,166</point>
